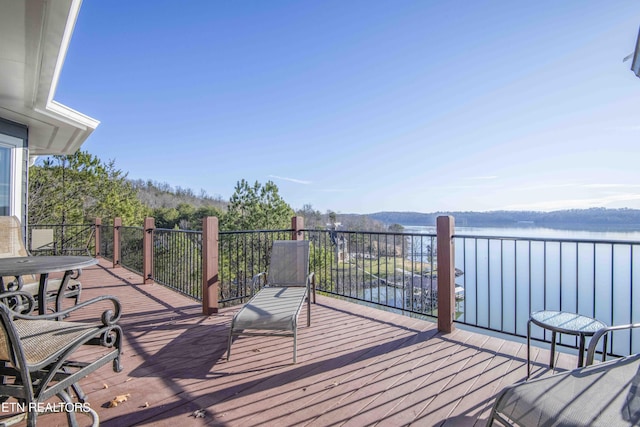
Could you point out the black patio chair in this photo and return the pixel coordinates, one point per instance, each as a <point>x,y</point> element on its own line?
<point>37,352</point>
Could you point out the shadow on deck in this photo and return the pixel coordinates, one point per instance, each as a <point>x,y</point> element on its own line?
<point>356,366</point>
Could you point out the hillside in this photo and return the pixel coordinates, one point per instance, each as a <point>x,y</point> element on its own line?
<point>162,195</point>
<point>573,218</point>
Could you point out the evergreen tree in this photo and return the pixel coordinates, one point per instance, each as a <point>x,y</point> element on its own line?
<point>312,218</point>
<point>257,207</point>
<point>77,188</point>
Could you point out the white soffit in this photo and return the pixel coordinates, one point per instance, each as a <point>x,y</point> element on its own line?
<point>34,37</point>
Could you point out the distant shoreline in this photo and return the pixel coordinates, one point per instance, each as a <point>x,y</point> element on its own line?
<point>595,219</point>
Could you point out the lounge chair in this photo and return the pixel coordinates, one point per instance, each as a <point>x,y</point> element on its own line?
<point>36,352</point>
<point>274,309</point>
<point>12,244</point>
<point>604,394</point>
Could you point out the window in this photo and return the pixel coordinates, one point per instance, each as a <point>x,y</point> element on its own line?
<point>5,180</point>
<point>14,156</point>
<point>13,178</point>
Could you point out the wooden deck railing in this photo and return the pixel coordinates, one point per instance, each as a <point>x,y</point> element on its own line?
<point>501,280</point>
<point>212,292</point>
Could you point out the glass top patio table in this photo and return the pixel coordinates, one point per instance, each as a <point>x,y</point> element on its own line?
<point>565,323</point>
<point>42,266</point>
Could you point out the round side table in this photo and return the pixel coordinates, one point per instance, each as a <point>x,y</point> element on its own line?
<point>564,323</point>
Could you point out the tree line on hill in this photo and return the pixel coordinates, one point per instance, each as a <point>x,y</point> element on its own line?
<point>154,194</point>
<point>77,188</point>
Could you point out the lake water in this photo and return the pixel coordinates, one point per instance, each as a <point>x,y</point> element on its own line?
<point>593,233</point>
<point>507,279</point>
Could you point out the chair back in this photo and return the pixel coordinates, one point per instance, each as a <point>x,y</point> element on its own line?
<point>42,240</point>
<point>7,330</point>
<point>289,265</point>
<point>11,241</point>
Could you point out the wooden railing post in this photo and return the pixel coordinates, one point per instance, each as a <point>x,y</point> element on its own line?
<point>147,250</point>
<point>297,225</point>
<point>96,234</point>
<point>446,273</point>
<point>117,224</point>
<point>210,276</point>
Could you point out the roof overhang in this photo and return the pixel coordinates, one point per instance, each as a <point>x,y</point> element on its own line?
<point>34,37</point>
<point>635,64</point>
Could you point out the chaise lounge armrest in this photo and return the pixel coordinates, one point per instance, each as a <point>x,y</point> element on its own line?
<point>593,343</point>
<point>311,283</point>
<point>255,281</point>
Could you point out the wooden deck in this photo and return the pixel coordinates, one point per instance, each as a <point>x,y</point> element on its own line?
<point>357,366</point>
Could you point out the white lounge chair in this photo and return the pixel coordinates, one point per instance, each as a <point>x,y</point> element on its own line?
<point>274,309</point>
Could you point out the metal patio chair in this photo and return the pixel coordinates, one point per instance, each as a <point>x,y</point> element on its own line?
<point>274,309</point>
<point>12,244</point>
<point>604,394</point>
<point>42,241</point>
<point>36,357</point>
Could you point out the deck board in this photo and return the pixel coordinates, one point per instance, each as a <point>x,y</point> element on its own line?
<point>357,366</point>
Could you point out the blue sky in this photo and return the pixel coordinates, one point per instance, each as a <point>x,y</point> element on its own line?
<point>367,106</point>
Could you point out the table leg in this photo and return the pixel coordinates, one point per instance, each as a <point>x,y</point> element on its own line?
<point>581,351</point>
<point>528,348</point>
<point>553,349</point>
<point>42,294</point>
<point>61,291</point>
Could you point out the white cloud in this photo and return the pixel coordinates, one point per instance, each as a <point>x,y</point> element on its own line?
<point>297,181</point>
<point>622,186</point>
<point>546,186</point>
<point>482,178</point>
<point>336,190</point>
<point>474,187</point>
<point>630,128</point>
<point>574,203</point>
